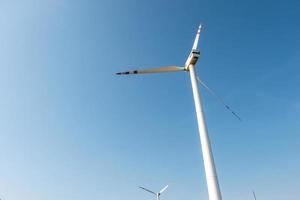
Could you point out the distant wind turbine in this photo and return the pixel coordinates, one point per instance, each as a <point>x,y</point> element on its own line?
<point>209,165</point>
<point>254,195</point>
<point>157,194</point>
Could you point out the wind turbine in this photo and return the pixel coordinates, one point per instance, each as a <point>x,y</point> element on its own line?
<point>157,194</point>
<point>209,165</point>
<point>254,195</point>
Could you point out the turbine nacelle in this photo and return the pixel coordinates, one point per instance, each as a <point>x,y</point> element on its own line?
<point>193,57</point>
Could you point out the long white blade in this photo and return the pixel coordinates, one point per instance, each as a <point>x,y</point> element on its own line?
<point>162,190</point>
<point>154,70</point>
<point>148,190</point>
<point>218,97</point>
<point>197,37</point>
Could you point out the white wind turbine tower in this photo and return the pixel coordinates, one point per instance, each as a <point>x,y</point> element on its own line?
<point>157,194</point>
<point>209,165</point>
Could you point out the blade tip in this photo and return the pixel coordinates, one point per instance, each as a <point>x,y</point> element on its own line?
<point>200,27</point>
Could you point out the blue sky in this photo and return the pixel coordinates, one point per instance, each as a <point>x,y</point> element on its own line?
<point>71,129</point>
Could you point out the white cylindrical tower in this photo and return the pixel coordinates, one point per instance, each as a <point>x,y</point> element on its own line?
<point>209,165</point>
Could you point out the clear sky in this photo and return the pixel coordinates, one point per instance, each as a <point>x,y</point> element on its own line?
<point>72,130</point>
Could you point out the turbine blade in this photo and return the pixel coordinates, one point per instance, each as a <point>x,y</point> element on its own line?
<point>154,70</point>
<point>162,190</point>
<point>254,195</point>
<point>197,37</point>
<point>148,190</point>
<point>218,97</point>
